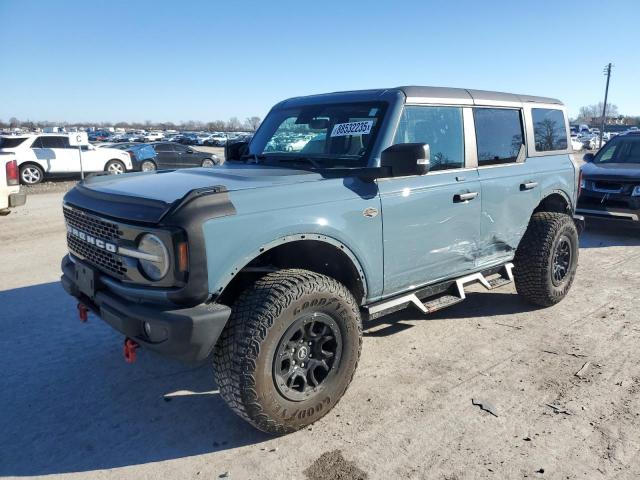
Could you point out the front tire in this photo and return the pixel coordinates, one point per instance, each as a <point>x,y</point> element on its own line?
<point>31,174</point>
<point>546,259</point>
<point>115,167</point>
<point>147,166</point>
<point>289,351</point>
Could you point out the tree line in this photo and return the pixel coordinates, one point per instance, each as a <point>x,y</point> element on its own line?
<point>593,113</point>
<point>234,124</point>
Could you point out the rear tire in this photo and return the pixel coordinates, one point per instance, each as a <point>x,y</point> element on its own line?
<point>115,167</point>
<point>289,351</point>
<point>546,259</point>
<point>31,174</point>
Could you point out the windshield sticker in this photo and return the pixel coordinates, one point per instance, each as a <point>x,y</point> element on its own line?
<point>352,128</point>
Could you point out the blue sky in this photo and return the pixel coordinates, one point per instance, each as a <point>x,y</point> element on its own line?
<point>206,60</point>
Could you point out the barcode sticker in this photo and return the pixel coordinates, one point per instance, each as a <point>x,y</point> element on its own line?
<point>352,128</point>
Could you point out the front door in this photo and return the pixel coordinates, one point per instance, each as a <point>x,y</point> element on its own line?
<point>431,223</point>
<point>186,157</point>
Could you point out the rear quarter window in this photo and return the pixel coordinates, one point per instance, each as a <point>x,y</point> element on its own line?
<point>549,129</point>
<point>8,142</point>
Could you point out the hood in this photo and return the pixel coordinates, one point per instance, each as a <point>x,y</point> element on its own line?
<point>148,196</point>
<point>612,171</point>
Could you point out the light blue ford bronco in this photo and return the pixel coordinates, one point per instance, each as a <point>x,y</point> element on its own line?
<point>342,208</point>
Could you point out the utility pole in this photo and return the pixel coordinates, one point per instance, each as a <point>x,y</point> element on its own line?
<point>607,72</point>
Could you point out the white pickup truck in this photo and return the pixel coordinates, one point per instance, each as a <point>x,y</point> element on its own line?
<point>47,155</point>
<point>10,195</point>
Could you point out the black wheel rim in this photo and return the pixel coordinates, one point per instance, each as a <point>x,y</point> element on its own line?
<point>561,260</point>
<point>308,355</point>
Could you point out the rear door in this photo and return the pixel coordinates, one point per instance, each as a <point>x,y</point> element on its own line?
<point>431,222</point>
<point>510,190</point>
<point>55,154</point>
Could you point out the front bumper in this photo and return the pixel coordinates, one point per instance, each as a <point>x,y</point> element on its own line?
<point>186,334</point>
<point>615,206</point>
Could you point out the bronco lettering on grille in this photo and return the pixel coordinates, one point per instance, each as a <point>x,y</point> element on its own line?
<point>91,240</point>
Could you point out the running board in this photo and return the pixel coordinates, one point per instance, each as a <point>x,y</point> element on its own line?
<point>446,298</point>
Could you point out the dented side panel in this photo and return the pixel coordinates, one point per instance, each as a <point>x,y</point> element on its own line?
<point>510,194</point>
<point>429,234</point>
<point>507,204</point>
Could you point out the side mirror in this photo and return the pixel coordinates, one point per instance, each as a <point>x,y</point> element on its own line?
<point>406,159</point>
<point>588,157</point>
<point>234,151</point>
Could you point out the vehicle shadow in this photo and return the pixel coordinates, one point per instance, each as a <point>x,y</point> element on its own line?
<point>477,304</point>
<point>70,403</point>
<point>602,233</point>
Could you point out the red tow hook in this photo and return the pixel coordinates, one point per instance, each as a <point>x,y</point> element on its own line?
<point>83,312</point>
<point>130,347</point>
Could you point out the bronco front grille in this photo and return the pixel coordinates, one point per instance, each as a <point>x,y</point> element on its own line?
<point>95,226</point>
<point>99,228</point>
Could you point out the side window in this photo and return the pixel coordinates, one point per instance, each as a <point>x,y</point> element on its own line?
<point>162,147</point>
<point>179,148</point>
<point>63,142</point>
<point>549,129</point>
<point>498,135</point>
<point>37,143</point>
<point>440,127</point>
<point>50,142</point>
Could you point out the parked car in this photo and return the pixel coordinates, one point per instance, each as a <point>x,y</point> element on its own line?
<point>216,140</point>
<point>271,262</point>
<point>10,194</point>
<point>99,136</point>
<point>153,136</point>
<point>119,145</point>
<point>576,144</point>
<point>188,139</point>
<point>173,138</point>
<point>610,185</point>
<point>48,155</point>
<point>164,155</point>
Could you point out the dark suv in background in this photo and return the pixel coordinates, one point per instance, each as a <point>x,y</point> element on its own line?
<point>611,180</point>
<point>167,155</point>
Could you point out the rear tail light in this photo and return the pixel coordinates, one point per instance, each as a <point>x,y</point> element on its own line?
<point>12,172</point>
<point>131,155</point>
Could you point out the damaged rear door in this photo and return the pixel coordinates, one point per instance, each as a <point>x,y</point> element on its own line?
<point>509,184</point>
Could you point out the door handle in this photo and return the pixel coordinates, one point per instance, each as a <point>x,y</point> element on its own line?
<point>528,186</point>
<point>464,197</point>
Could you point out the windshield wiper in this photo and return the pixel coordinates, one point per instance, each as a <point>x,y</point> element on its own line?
<point>308,160</point>
<point>254,157</point>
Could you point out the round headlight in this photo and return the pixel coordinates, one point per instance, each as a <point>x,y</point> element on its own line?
<point>156,264</point>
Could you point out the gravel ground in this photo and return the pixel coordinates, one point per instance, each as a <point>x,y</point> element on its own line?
<point>72,408</point>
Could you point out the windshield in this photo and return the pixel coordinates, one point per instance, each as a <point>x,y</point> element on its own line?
<point>338,135</point>
<point>620,150</point>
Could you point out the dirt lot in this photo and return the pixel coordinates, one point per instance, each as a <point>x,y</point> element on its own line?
<point>71,407</point>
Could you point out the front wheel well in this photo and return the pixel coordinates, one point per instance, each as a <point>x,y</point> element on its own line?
<point>314,255</point>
